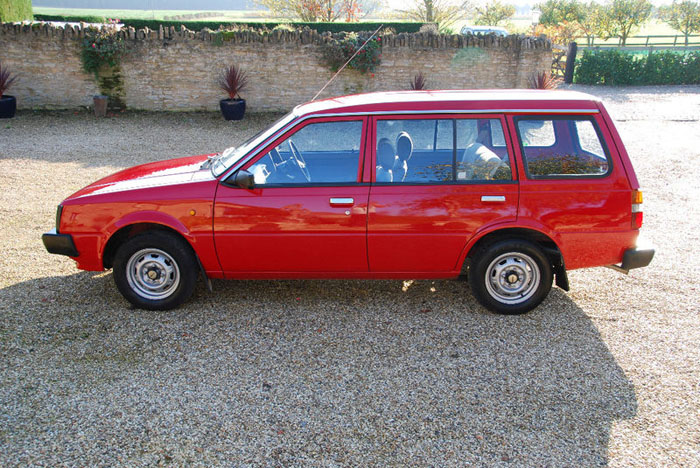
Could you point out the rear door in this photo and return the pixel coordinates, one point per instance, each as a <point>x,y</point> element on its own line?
<point>437,180</point>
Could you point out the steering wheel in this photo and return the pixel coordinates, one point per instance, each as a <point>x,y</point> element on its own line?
<point>299,160</point>
<point>276,157</point>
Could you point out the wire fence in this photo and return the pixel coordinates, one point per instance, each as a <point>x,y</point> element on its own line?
<point>638,43</point>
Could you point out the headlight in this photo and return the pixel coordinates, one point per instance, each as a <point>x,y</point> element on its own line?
<point>59,210</point>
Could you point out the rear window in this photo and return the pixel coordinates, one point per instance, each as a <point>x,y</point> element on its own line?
<point>562,147</point>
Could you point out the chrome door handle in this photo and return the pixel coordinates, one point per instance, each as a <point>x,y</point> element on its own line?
<point>342,201</point>
<point>493,198</point>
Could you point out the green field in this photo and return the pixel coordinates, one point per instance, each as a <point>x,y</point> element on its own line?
<point>232,15</point>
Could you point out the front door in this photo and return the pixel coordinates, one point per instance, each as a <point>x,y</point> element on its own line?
<point>306,213</point>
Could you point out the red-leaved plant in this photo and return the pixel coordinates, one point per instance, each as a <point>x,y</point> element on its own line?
<point>6,79</point>
<point>418,82</point>
<point>233,80</point>
<point>544,80</point>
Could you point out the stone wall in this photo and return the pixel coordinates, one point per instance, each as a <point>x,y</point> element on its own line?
<point>177,70</point>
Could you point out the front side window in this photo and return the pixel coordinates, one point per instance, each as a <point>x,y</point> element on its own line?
<point>441,150</point>
<point>319,153</point>
<point>562,147</point>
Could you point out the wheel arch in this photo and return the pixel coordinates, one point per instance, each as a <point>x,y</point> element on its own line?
<point>123,233</point>
<point>543,240</point>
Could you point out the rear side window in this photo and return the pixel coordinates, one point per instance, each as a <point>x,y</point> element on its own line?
<point>562,147</point>
<point>441,150</point>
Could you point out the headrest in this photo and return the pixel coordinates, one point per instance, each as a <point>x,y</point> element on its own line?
<point>385,153</point>
<point>404,146</point>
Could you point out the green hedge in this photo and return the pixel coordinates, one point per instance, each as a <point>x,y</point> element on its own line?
<point>615,67</point>
<point>15,10</point>
<point>70,19</point>
<point>199,25</point>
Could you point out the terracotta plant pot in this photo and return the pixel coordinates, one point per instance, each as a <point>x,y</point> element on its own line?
<point>8,107</point>
<point>100,105</point>
<point>232,109</point>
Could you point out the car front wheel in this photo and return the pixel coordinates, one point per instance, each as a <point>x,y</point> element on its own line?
<point>510,276</point>
<point>155,270</point>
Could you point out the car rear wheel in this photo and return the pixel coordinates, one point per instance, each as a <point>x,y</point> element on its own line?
<point>155,270</point>
<point>510,276</point>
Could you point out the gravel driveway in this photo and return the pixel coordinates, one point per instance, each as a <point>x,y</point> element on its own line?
<point>343,373</point>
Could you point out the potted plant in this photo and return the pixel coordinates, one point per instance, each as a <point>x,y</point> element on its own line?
<point>8,104</point>
<point>418,82</point>
<point>544,80</point>
<point>233,80</point>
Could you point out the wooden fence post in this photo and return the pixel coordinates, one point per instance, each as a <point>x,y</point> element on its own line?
<point>570,63</point>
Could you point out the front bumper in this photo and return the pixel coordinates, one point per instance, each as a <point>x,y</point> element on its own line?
<point>61,244</point>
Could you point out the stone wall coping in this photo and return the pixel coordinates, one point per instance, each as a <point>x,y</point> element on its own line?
<point>425,40</point>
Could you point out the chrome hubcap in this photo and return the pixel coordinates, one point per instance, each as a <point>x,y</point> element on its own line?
<point>152,274</point>
<point>512,278</point>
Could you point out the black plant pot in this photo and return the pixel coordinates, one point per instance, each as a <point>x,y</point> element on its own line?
<point>8,106</point>
<point>232,109</point>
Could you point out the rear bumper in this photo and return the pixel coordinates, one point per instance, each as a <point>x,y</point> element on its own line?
<point>636,257</point>
<point>61,244</point>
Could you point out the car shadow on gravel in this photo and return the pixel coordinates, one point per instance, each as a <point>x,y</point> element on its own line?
<point>303,373</point>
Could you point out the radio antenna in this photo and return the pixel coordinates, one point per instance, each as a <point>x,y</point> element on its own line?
<point>349,60</point>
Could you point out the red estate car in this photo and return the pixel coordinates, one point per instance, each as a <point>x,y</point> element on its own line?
<point>508,188</point>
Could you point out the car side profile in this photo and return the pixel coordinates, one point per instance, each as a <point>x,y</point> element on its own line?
<point>474,30</point>
<point>510,189</point>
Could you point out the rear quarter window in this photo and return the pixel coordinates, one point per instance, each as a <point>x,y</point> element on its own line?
<point>562,147</point>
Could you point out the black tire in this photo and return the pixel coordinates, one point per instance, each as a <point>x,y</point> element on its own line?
<point>510,276</point>
<point>155,270</point>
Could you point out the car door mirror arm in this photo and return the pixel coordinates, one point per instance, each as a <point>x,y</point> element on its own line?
<point>242,179</point>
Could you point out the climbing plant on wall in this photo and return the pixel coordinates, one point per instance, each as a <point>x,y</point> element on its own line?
<point>101,52</point>
<point>342,46</point>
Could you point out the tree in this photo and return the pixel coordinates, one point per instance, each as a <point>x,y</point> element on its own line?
<point>682,16</point>
<point>443,12</point>
<point>493,13</point>
<point>561,33</point>
<point>314,10</point>
<point>15,10</point>
<point>620,18</point>
<point>590,25</point>
<point>565,20</point>
<point>554,12</point>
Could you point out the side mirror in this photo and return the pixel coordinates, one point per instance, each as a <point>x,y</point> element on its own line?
<point>243,179</point>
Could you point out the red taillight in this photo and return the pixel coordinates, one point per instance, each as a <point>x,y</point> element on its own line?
<point>637,214</point>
